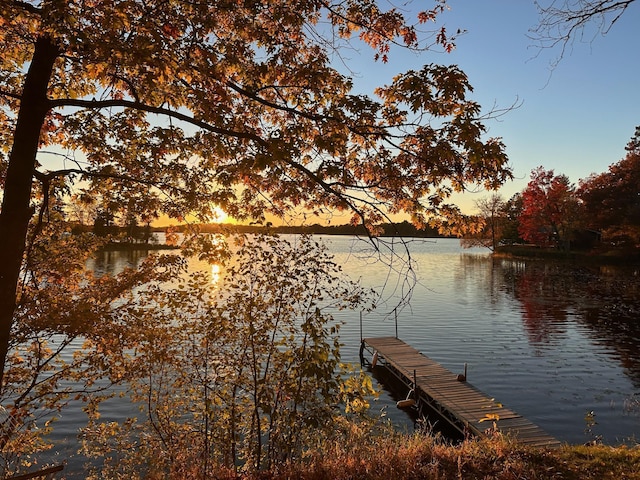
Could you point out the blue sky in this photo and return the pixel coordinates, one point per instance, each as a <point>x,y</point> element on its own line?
<point>575,118</point>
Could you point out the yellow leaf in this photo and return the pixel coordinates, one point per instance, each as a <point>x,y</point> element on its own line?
<point>490,417</point>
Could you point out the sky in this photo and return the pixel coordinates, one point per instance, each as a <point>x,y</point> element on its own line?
<point>575,118</point>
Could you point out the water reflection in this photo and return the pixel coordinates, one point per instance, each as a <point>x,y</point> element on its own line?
<point>541,292</point>
<point>215,274</point>
<point>606,300</point>
<point>112,262</point>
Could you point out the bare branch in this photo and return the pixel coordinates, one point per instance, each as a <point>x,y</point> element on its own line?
<point>564,21</point>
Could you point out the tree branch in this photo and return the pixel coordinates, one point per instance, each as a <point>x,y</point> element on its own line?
<point>99,104</point>
<point>562,21</point>
<point>5,93</point>
<point>47,177</point>
<point>375,130</point>
<point>27,7</point>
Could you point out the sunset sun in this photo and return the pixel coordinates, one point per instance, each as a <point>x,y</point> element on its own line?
<point>220,216</point>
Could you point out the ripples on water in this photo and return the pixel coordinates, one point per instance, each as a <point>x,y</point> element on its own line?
<point>551,341</point>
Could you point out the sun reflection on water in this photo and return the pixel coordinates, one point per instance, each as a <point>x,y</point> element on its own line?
<point>215,274</point>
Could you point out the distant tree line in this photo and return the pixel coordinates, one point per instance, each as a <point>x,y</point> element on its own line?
<point>601,212</point>
<point>402,229</point>
<point>129,230</point>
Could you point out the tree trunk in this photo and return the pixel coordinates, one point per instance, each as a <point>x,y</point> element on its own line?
<point>16,211</point>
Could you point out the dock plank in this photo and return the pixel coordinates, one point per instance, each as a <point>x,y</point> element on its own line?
<point>440,388</point>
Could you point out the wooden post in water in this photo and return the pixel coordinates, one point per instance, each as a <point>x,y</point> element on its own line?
<point>396,316</point>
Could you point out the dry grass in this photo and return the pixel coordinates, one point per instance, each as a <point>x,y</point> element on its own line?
<point>368,451</point>
<point>420,457</point>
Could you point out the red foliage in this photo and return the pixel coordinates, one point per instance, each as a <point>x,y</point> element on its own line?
<point>548,208</point>
<point>611,200</point>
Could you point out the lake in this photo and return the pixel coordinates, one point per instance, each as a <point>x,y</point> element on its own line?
<point>552,341</point>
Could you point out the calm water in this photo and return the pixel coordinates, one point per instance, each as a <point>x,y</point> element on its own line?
<point>550,341</point>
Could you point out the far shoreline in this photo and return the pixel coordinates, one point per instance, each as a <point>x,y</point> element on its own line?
<point>603,257</point>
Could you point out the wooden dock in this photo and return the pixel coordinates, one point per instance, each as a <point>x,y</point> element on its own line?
<point>466,408</point>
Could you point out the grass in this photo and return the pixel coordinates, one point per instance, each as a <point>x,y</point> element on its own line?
<point>419,457</point>
<point>357,452</point>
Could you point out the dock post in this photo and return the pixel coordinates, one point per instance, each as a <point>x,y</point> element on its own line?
<point>396,316</point>
<point>360,326</point>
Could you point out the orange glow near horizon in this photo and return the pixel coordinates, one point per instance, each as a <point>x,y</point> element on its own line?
<point>219,216</point>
